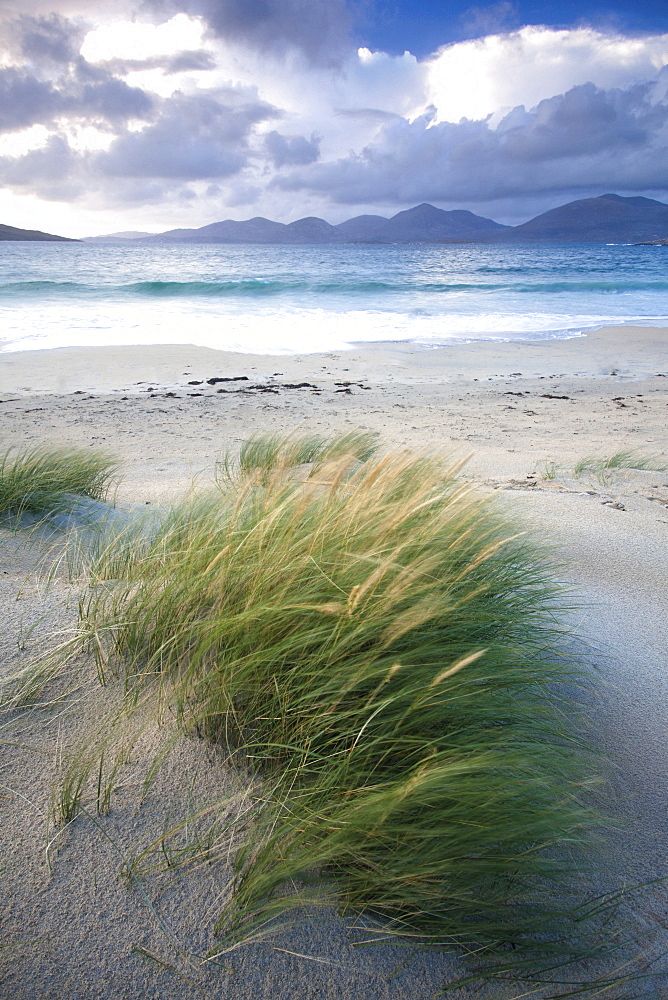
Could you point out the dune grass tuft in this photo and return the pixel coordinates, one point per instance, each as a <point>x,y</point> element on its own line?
<point>381,644</point>
<point>269,452</point>
<point>601,467</point>
<point>40,480</point>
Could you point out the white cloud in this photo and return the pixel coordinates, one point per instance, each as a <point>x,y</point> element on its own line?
<point>476,78</point>
<point>137,40</point>
<point>20,143</point>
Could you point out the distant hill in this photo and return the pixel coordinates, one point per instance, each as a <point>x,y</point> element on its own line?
<point>426,224</point>
<point>257,230</point>
<point>607,219</point>
<point>11,233</point>
<point>311,230</point>
<point>116,237</point>
<point>362,227</point>
<point>422,224</point>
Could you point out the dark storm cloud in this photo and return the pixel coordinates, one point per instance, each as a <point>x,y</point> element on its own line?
<point>111,100</point>
<point>42,40</point>
<point>321,29</point>
<point>585,120</point>
<point>203,137</point>
<point>26,100</point>
<point>55,171</point>
<point>51,80</point>
<point>292,150</point>
<point>583,138</point>
<point>51,37</point>
<point>195,138</point>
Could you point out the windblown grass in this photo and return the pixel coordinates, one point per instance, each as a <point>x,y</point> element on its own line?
<point>602,467</point>
<point>41,480</point>
<point>381,644</point>
<point>269,452</point>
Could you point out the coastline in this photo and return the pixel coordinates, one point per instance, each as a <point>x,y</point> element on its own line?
<point>500,402</point>
<point>631,351</point>
<point>526,412</point>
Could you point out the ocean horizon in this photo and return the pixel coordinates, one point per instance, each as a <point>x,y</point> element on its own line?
<point>305,299</point>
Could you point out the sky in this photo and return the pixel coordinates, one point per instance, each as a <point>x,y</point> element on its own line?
<point>156,114</point>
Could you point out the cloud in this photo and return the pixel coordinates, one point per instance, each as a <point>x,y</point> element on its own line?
<point>128,40</point>
<point>53,81</point>
<point>196,137</point>
<point>189,62</point>
<point>292,150</point>
<point>51,37</point>
<point>587,137</point>
<point>320,29</point>
<point>206,137</point>
<point>181,62</point>
<point>26,100</point>
<point>476,78</point>
<point>55,171</point>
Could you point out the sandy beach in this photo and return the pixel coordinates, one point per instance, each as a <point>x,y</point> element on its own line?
<point>526,413</point>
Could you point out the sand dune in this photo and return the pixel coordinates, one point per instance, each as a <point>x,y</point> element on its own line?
<point>526,413</point>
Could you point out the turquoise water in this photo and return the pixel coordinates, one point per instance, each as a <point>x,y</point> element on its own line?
<point>285,299</point>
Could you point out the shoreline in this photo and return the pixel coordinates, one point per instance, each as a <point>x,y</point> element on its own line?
<point>514,405</point>
<point>628,352</point>
<point>527,412</point>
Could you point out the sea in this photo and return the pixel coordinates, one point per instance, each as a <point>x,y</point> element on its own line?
<point>300,299</point>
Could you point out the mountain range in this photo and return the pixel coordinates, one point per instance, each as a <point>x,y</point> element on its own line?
<point>34,235</point>
<point>609,218</point>
<point>422,224</point>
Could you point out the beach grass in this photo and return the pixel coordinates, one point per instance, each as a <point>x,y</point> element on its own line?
<point>381,646</point>
<point>549,470</point>
<point>40,480</point>
<point>270,452</point>
<point>628,459</point>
